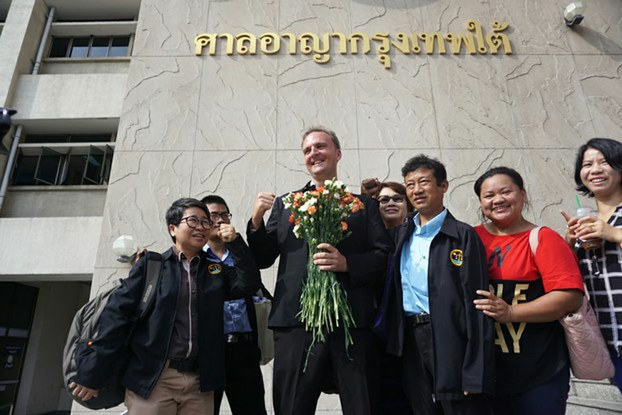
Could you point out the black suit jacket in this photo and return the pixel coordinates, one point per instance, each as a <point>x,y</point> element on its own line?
<point>462,336</point>
<point>366,251</point>
<point>147,340</point>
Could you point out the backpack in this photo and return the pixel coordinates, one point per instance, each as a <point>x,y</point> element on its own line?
<point>85,327</point>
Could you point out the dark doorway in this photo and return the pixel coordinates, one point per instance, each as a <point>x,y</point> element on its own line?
<point>17,308</point>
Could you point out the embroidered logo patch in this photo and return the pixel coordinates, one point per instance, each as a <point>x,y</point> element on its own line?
<point>214,269</point>
<point>456,256</point>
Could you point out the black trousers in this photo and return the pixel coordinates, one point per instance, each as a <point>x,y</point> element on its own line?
<point>418,377</point>
<point>296,392</point>
<point>244,388</point>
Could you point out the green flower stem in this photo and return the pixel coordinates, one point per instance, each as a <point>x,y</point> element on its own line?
<point>324,306</point>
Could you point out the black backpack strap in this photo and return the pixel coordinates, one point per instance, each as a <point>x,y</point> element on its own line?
<point>153,265</point>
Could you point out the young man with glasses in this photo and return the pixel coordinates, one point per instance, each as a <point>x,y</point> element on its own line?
<point>245,389</point>
<point>176,353</point>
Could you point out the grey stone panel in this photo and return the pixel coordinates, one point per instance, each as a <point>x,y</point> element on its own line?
<point>160,106</point>
<point>547,104</point>
<point>238,104</point>
<point>168,28</point>
<point>600,78</point>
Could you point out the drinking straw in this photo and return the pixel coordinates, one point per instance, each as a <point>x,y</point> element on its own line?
<point>578,202</point>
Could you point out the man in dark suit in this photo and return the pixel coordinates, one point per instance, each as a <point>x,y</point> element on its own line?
<point>359,262</point>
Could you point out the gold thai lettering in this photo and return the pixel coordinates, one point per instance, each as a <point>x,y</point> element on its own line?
<point>496,39</point>
<point>475,26</point>
<point>385,42</point>
<point>403,43</point>
<point>457,40</point>
<point>293,41</point>
<point>355,38</point>
<point>473,41</point>
<point>429,38</point>
<point>204,40</point>
<point>415,41</point>
<point>385,60</point>
<point>246,43</point>
<point>270,43</point>
<point>230,42</point>
<point>319,47</point>
<point>343,42</point>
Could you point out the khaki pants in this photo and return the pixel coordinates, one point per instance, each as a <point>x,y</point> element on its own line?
<point>174,393</point>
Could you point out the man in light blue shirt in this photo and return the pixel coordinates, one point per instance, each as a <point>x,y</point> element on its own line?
<point>414,265</point>
<point>447,347</point>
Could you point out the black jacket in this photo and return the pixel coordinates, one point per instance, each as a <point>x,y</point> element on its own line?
<point>366,251</point>
<point>149,340</point>
<point>462,336</point>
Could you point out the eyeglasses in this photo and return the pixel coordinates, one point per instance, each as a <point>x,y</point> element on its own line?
<point>383,200</point>
<point>193,222</point>
<point>224,216</point>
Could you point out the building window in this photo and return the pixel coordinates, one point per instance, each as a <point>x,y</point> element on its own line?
<point>81,159</point>
<point>90,47</point>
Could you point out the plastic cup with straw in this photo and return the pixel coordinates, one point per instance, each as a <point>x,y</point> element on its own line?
<point>583,212</point>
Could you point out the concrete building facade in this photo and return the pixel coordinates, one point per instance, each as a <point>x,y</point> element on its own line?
<point>126,105</point>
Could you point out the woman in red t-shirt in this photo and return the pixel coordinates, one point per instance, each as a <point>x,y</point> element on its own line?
<point>528,294</point>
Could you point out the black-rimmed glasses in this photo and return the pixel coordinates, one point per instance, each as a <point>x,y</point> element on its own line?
<point>193,222</point>
<point>383,200</point>
<point>224,216</point>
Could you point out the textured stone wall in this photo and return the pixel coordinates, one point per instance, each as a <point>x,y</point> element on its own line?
<point>231,124</point>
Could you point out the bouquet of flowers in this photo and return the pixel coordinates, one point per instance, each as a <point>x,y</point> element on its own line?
<point>318,217</point>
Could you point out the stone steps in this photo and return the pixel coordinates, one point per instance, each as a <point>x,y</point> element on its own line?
<point>593,398</point>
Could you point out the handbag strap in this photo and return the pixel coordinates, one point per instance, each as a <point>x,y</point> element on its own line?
<point>533,239</point>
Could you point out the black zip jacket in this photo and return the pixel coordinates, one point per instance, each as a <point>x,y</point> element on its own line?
<point>462,335</point>
<point>148,339</point>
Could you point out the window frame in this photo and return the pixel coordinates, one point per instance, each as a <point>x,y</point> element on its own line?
<point>97,153</point>
<point>89,47</point>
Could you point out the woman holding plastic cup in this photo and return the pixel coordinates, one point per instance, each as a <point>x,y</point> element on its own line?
<point>598,238</point>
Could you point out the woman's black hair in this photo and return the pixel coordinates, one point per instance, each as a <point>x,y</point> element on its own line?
<point>517,179</point>
<point>176,211</point>
<point>612,151</point>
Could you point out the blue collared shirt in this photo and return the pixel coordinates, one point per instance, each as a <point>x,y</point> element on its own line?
<point>415,261</point>
<point>235,316</point>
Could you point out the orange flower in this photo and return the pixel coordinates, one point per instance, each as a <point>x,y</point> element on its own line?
<point>357,205</point>
<point>344,226</point>
<point>312,210</point>
<point>291,218</point>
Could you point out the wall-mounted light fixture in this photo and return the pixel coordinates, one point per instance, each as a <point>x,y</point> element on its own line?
<point>5,126</point>
<point>125,248</point>
<point>574,13</point>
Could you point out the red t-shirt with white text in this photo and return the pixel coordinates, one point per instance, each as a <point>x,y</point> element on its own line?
<point>528,354</point>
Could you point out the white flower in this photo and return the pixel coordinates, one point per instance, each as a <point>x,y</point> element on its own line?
<point>307,204</point>
<point>338,183</point>
<point>296,230</point>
